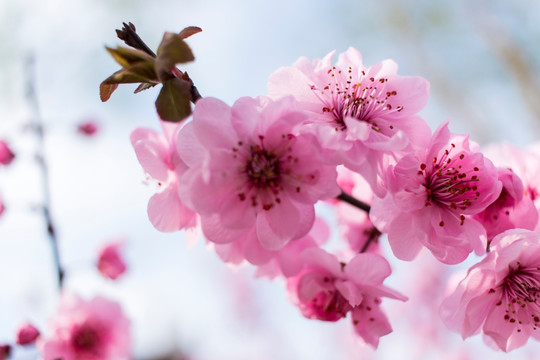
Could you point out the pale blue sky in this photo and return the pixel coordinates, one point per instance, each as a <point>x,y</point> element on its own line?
<point>187,298</point>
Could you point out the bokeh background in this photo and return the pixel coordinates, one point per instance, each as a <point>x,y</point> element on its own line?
<point>482,59</point>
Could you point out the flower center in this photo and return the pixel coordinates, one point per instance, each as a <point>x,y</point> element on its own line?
<point>263,172</point>
<point>523,285</point>
<point>451,182</point>
<point>329,305</point>
<point>85,338</point>
<point>365,100</point>
<point>262,168</point>
<point>521,295</point>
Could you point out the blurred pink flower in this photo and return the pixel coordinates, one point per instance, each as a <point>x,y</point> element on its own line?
<point>525,163</point>
<point>88,128</point>
<point>253,170</point>
<point>2,207</point>
<point>27,334</point>
<point>327,290</point>
<point>362,113</point>
<point>110,261</point>
<point>431,195</point>
<point>271,263</point>
<point>87,330</point>
<point>6,155</point>
<point>286,261</point>
<point>500,295</point>
<point>5,352</point>
<point>158,156</point>
<point>511,210</point>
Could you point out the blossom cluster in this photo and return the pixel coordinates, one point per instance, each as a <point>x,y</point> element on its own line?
<point>249,176</point>
<point>82,329</point>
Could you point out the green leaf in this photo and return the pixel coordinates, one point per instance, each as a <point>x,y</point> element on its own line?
<point>106,90</point>
<point>127,57</point>
<point>144,86</point>
<point>190,30</point>
<point>173,102</point>
<point>172,50</point>
<point>141,72</point>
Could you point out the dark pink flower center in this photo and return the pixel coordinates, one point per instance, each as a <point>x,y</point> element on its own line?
<point>451,182</point>
<point>521,296</point>
<point>263,168</point>
<point>264,171</point>
<point>366,99</point>
<point>86,339</point>
<point>328,306</point>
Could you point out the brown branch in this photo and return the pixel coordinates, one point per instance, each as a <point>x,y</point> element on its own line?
<point>37,126</point>
<point>353,201</point>
<point>374,234</point>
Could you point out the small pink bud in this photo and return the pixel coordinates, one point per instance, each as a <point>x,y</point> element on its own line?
<point>6,155</point>
<point>88,128</point>
<point>27,334</point>
<point>110,263</point>
<point>2,207</point>
<point>5,351</point>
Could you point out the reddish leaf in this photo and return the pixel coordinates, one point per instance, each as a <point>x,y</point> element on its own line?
<point>173,102</point>
<point>138,73</point>
<point>190,30</point>
<point>106,90</point>
<point>172,50</point>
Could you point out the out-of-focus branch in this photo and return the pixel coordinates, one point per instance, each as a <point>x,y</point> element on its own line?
<point>37,126</point>
<point>448,93</point>
<point>516,61</point>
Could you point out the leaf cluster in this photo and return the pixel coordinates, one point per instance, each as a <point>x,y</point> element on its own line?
<point>140,65</point>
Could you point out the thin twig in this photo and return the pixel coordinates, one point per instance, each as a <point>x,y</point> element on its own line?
<point>353,201</point>
<point>37,126</point>
<point>373,236</point>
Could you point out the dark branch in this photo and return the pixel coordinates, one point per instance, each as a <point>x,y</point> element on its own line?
<point>37,126</point>
<point>373,235</point>
<point>194,92</point>
<point>353,201</point>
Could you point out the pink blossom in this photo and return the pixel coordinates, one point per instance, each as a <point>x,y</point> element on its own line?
<point>256,171</point>
<point>6,154</point>
<point>432,195</point>
<point>511,210</point>
<point>5,352</point>
<point>88,128</point>
<point>286,261</point>
<point>327,290</point>
<point>270,263</point>
<point>362,113</point>
<point>158,156</point>
<point>2,206</point>
<point>27,334</point>
<point>500,295</point>
<point>87,330</point>
<point>525,163</point>
<point>110,261</point>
